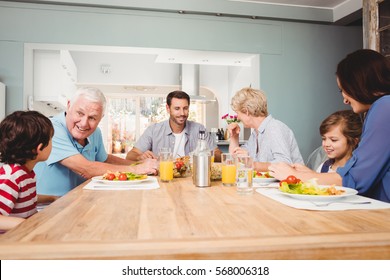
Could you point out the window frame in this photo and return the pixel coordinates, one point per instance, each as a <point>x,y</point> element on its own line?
<point>106,127</point>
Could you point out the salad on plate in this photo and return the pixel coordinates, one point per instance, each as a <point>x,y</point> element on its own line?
<point>262,178</point>
<point>120,178</point>
<point>311,191</point>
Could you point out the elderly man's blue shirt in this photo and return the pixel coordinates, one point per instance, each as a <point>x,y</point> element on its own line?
<point>52,177</point>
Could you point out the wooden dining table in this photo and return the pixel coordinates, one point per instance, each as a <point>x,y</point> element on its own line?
<point>181,221</point>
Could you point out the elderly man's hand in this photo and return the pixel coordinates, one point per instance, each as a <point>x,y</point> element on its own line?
<point>148,166</point>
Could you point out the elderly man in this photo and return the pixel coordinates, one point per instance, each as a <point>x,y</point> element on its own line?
<point>78,152</point>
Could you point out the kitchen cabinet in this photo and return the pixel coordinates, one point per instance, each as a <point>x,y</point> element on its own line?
<point>376,25</point>
<point>55,77</point>
<point>68,75</point>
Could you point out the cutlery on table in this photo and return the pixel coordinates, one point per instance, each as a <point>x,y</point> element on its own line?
<point>322,204</point>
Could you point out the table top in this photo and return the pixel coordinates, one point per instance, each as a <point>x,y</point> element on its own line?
<point>181,221</point>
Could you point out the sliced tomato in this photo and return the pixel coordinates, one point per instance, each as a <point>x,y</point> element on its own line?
<point>122,177</point>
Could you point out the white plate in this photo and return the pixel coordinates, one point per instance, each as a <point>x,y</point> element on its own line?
<point>99,179</point>
<point>347,192</point>
<point>264,181</point>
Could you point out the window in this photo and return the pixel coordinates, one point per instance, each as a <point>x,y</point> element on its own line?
<point>126,118</point>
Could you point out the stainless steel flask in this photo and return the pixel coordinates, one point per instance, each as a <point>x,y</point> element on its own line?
<point>201,163</point>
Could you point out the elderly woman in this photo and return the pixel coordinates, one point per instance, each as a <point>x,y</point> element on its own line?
<point>271,140</point>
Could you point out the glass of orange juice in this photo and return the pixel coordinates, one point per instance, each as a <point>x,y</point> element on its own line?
<point>228,169</point>
<point>166,165</point>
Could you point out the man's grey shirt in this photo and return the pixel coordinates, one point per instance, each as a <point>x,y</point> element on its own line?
<point>160,135</point>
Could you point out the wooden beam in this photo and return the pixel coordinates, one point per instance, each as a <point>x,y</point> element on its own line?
<point>370,24</point>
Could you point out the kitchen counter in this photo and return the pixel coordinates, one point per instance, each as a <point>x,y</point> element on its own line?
<point>181,221</point>
<point>223,145</point>
<point>226,142</point>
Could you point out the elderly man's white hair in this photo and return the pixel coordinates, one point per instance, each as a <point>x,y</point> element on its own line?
<point>91,94</point>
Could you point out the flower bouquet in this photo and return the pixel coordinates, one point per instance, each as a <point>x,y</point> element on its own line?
<point>230,118</point>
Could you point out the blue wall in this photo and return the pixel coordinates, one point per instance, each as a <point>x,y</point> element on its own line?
<point>297,60</point>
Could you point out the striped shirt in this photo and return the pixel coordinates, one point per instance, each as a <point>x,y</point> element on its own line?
<point>18,197</point>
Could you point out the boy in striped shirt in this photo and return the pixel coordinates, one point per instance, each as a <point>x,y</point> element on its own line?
<point>25,139</point>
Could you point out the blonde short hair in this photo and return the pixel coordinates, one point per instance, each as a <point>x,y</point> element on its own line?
<point>252,101</point>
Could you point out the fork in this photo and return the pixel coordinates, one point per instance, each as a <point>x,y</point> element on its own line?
<point>323,204</point>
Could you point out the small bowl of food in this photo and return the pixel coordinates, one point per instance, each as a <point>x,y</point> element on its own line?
<point>181,167</point>
<point>216,172</point>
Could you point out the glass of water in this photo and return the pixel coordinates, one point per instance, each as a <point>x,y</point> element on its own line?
<point>244,174</point>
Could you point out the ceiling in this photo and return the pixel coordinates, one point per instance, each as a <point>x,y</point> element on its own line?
<point>342,12</point>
